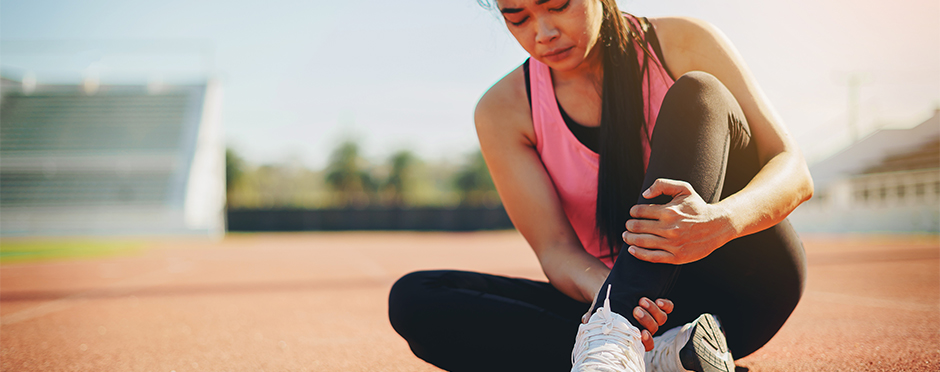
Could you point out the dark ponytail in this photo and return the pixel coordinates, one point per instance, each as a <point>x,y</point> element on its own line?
<point>623,122</point>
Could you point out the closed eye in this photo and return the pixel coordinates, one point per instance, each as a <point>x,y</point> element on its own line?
<point>518,23</point>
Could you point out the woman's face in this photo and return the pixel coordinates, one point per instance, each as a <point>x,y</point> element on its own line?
<point>558,33</point>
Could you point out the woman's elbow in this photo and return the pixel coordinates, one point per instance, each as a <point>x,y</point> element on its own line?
<point>806,184</point>
<point>808,187</point>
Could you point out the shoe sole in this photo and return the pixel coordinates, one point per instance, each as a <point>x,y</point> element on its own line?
<point>707,349</point>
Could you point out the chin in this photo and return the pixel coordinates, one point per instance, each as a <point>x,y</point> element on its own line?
<point>567,64</point>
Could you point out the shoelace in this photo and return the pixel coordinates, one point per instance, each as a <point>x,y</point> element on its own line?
<point>607,343</point>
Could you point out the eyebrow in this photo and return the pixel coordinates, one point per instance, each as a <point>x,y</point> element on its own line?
<point>517,10</point>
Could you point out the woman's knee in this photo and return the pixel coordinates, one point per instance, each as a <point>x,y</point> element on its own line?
<point>698,90</point>
<point>697,83</point>
<point>405,298</point>
<point>700,99</point>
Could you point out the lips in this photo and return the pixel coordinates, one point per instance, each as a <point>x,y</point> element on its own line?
<point>557,54</point>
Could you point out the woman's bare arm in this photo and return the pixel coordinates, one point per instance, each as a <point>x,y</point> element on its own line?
<point>504,126</point>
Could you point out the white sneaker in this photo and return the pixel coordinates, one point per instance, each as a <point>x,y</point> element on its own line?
<point>607,343</point>
<point>699,346</point>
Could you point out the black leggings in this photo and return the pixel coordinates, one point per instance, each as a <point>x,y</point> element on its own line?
<point>465,321</point>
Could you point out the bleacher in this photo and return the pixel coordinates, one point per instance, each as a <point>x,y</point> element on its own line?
<point>122,160</point>
<point>77,123</point>
<point>888,181</point>
<point>926,156</point>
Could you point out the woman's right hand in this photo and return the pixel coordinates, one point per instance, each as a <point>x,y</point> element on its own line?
<point>649,314</point>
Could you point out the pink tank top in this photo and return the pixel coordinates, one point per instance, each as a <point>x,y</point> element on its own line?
<point>571,165</point>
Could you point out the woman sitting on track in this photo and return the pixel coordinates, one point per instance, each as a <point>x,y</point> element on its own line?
<point>640,161</point>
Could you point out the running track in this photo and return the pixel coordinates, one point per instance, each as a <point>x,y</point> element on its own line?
<point>316,302</point>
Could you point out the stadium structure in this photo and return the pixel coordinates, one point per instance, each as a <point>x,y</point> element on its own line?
<point>888,181</point>
<point>111,159</point>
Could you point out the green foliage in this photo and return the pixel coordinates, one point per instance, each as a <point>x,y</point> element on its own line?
<point>280,186</point>
<point>348,180</point>
<point>400,182</point>
<point>347,176</point>
<point>474,184</point>
<point>234,169</point>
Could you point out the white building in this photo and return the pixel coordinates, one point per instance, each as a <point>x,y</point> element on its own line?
<point>888,181</point>
<point>111,160</point>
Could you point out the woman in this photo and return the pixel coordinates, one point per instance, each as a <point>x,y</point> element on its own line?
<point>622,135</point>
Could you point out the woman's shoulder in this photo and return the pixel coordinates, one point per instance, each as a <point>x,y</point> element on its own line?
<point>679,24</point>
<point>505,106</point>
<point>682,29</point>
<point>683,40</point>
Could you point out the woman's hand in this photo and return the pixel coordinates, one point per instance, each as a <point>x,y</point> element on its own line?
<point>650,314</point>
<point>684,230</point>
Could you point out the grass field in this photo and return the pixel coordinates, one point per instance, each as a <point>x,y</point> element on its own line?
<point>20,250</point>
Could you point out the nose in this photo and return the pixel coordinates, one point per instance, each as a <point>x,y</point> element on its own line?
<point>546,32</point>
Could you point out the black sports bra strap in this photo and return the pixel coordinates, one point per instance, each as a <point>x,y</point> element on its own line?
<point>649,34</point>
<point>528,84</point>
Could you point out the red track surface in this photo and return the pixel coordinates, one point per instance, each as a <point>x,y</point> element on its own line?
<point>317,302</point>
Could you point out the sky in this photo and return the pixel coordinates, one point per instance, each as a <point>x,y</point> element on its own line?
<point>300,76</point>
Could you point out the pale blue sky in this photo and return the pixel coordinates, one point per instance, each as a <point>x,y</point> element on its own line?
<point>300,75</point>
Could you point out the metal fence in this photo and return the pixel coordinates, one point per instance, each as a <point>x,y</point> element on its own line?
<point>422,219</point>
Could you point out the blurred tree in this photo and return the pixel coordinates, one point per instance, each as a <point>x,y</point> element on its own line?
<point>347,177</point>
<point>234,170</point>
<point>400,181</point>
<point>279,186</point>
<point>474,184</point>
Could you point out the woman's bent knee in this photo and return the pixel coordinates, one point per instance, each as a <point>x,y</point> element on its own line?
<point>699,101</point>
<point>698,89</point>
<point>697,81</point>
<point>405,299</point>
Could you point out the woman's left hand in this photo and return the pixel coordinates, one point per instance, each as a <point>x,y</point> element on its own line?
<point>684,230</point>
